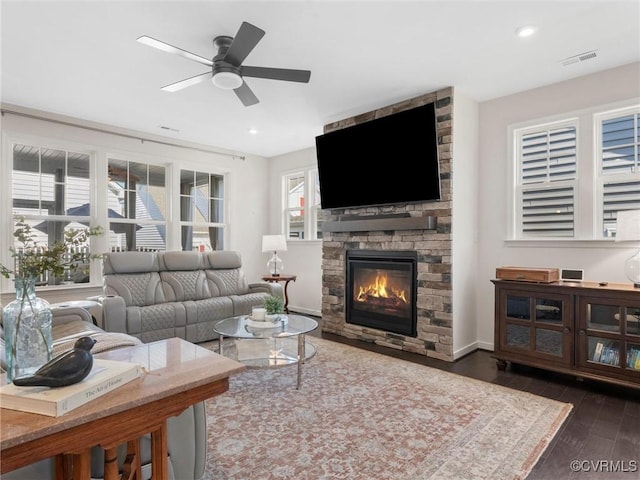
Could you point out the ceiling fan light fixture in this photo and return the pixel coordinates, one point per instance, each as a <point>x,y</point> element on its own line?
<point>227,80</point>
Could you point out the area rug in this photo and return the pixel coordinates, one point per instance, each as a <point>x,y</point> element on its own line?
<point>361,415</point>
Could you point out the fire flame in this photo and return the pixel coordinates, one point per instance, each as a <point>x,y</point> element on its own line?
<point>378,289</point>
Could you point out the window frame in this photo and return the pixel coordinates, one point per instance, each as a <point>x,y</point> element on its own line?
<point>144,222</point>
<point>602,178</point>
<point>521,187</point>
<point>223,226</point>
<point>589,195</point>
<point>7,216</point>
<point>312,211</point>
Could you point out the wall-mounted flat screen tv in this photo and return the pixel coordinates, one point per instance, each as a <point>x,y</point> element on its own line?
<point>388,160</point>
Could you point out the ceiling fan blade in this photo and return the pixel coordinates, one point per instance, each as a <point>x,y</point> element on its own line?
<point>245,40</point>
<point>165,47</point>
<point>246,95</point>
<point>285,74</point>
<point>187,82</point>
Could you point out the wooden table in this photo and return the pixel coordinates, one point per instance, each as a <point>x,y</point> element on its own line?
<point>282,278</point>
<point>180,374</point>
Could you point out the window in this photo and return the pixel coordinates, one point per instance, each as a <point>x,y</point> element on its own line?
<point>619,166</point>
<point>572,176</point>
<point>547,180</point>
<point>301,216</point>
<point>136,201</point>
<point>50,189</point>
<point>142,203</point>
<point>294,211</point>
<point>201,210</point>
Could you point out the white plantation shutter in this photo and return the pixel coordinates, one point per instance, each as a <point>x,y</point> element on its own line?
<point>619,174</point>
<point>547,181</point>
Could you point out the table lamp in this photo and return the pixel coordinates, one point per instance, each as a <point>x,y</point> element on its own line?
<point>273,243</point>
<point>628,230</point>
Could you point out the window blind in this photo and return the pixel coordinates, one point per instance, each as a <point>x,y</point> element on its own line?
<point>548,172</point>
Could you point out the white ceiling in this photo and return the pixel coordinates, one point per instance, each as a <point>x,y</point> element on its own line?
<point>82,59</point>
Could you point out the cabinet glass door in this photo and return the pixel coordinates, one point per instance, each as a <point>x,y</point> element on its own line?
<point>610,336</point>
<point>534,325</point>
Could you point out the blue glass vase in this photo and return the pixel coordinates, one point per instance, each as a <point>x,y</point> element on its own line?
<point>27,330</point>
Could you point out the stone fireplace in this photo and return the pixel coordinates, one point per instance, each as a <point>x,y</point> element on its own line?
<point>420,230</point>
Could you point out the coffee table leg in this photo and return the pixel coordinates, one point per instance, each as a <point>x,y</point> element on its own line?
<point>301,344</point>
<point>220,343</point>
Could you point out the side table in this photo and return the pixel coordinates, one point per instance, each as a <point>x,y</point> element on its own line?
<point>180,374</point>
<point>282,278</point>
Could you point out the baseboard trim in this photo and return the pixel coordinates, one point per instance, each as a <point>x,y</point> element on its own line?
<point>304,311</point>
<point>472,347</point>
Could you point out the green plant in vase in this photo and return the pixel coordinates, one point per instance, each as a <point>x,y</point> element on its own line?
<point>27,319</point>
<point>274,305</point>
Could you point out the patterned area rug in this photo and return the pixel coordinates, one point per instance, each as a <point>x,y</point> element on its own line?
<point>364,416</point>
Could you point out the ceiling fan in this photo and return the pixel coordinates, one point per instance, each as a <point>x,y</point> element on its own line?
<point>227,71</point>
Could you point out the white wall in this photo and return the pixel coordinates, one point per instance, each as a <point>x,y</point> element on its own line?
<point>303,257</point>
<point>600,262</point>
<point>464,223</point>
<point>247,186</point>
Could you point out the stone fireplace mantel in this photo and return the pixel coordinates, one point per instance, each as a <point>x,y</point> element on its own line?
<point>372,222</point>
<point>423,227</point>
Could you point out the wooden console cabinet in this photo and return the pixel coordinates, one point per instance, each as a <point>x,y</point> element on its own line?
<point>584,329</point>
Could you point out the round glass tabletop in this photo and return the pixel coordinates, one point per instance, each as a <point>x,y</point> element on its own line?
<point>240,327</point>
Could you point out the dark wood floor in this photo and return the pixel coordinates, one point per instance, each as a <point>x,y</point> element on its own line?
<point>604,425</point>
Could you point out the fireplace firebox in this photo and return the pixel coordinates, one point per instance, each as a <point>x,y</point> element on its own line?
<point>381,290</point>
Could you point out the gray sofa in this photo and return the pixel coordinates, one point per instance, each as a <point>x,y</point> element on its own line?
<point>186,433</point>
<point>154,296</point>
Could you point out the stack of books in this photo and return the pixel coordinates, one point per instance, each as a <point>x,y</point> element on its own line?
<point>105,376</point>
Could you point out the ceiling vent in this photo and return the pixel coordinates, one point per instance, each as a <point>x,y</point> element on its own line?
<point>582,57</point>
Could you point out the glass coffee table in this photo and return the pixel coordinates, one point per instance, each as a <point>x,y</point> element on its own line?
<point>266,344</point>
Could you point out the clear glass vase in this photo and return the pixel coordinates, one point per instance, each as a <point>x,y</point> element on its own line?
<point>27,330</point>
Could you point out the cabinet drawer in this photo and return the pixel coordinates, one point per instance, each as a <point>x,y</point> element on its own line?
<point>524,274</point>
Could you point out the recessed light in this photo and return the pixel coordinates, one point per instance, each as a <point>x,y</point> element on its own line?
<point>526,31</point>
<point>253,131</point>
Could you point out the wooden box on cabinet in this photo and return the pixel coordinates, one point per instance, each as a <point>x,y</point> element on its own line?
<point>524,274</point>
<point>587,330</point>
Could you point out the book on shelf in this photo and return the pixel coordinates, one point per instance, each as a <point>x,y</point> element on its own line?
<point>105,376</point>
<point>598,352</point>
<point>633,358</point>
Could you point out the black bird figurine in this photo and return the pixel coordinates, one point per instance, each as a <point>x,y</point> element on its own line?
<point>66,369</point>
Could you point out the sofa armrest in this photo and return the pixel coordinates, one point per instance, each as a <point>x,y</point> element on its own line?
<point>114,314</point>
<point>61,313</point>
<point>271,288</point>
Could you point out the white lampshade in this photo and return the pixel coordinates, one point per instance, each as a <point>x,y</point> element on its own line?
<point>628,230</point>
<point>274,243</point>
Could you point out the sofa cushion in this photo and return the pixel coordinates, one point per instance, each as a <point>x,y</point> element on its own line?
<point>222,259</point>
<point>227,282</point>
<point>203,314</point>
<point>180,261</point>
<point>180,286</point>
<point>157,322</point>
<point>137,289</point>
<point>130,262</point>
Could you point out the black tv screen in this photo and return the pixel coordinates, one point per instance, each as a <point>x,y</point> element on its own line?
<point>392,159</point>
